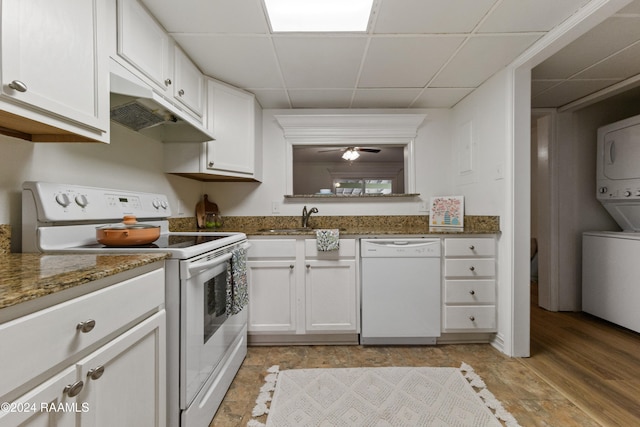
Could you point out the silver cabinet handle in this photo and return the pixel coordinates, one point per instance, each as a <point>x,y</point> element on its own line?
<point>86,326</point>
<point>472,247</point>
<point>472,292</point>
<point>96,372</point>
<point>308,266</point>
<point>472,318</point>
<point>167,82</point>
<point>210,164</point>
<point>472,268</point>
<point>291,266</point>
<point>73,389</point>
<point>181,92</point>
<point>18,85</point>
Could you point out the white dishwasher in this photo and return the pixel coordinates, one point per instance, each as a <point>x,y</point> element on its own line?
<point>400,291</point>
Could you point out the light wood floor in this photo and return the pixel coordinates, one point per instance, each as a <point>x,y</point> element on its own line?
<point>582,372</point>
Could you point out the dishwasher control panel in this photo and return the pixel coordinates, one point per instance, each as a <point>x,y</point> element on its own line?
<point>400,248</point>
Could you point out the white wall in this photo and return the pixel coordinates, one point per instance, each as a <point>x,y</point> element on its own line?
<point>485,187</point>
<point>433,174</point>
<point>131,161</point>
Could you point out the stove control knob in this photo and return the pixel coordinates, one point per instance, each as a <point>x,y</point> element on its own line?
<point>81,200</point>
<point>63,200</point>
<point>164,204</point>
<point>156,204</point>
<point>627,193</point>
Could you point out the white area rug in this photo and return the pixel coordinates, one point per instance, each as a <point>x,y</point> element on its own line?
<point>377,397</point>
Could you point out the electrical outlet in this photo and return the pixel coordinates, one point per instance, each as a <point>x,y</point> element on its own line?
<point>275,208</point>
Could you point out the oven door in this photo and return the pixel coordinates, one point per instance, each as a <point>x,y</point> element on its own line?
<point>205,332</point>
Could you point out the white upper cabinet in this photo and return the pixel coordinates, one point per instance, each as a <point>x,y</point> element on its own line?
<point>54,70</point>
<point>144,44</point>
<point>233,119</point>
<point>189,83</point>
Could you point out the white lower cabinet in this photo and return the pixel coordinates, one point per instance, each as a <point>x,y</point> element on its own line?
<point>296,290</point>
<point>469,294</point>
<point>107,365</point>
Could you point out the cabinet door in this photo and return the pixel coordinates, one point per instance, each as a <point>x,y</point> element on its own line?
<point>54,58</point>
<point>231,119</point>
<point>125,379</point>
<point>189,85</point>
<point>272,296</point>
<point>330,294</point>
<point>39,406</point>
<point>143,43</point>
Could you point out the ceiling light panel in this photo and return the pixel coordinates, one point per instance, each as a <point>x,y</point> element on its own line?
<point>318,15</point>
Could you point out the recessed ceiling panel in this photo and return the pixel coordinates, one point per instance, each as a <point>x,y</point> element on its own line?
<point>607,38</point>
<point>219,16</point>
<point>480,58</point>
<point>405,61</point>
<point>271,98</point>
<point>568,91</point>
<point>430,16</point>
<point>384,98</point>
<point>320,98</point>
<point>529,15</point>
<point>320,62</point>
<point>622,65</point>
<point>441,97</point>
<point>248,61</point>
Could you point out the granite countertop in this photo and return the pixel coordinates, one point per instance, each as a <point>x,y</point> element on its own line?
<point>25,277</point>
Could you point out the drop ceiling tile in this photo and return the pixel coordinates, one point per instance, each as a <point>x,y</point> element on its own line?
<point>272,98</point>
<point>219,16</point>
<point>622,65</point>
<point>529,15</point>
<point>384,98</point>
<point>569,91</point>
<point>430,16</point>
<point>248,61</point>
<point>321,98</point>
<point>317,62</point>
<point>539,86</point>
<point>610,36</point>
<point>441,97</point>
<point>405,61</point>
<point>480,58</point>
<point>633,7</point>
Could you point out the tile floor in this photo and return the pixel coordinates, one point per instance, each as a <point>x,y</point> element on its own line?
<point>530,399</point>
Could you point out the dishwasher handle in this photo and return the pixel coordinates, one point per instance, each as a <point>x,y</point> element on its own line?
<point>409,243</point>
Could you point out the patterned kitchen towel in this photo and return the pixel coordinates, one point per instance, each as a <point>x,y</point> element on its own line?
<point>328,240</point>
<point>237,289</point>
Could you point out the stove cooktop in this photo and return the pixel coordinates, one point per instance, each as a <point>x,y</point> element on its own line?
<point>168,241</point>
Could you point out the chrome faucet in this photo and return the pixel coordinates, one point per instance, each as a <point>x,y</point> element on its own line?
<point>306,214</point>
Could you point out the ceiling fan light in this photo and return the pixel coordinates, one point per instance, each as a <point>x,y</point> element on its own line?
<point>350,155</point>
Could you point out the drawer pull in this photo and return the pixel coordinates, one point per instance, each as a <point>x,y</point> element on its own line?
<point>308,266</point>
<point>18,85</point>
<point>167,82</point>
<point>291,267</point>
<point>472,268</point>
<point>472,292</point>
<point>472,247</point>
<point>86,326</point>
<point>74,389</point>
<point>96,372</point>
<point>181,92</point>
<point>472,318</point>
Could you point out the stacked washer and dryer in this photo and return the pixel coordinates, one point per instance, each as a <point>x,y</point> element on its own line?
<point>610,273</point>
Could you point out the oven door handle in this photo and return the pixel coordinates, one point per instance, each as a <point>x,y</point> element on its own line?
<point>195,269</point>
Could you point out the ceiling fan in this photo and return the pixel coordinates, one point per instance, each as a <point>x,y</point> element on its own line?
<point>352,153</point>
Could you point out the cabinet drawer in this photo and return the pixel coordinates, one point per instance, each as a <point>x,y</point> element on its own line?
<point>470,318</point>
<point>470,291</point>
<point>45,338</point>
<point>272,248</point>
<point>347,249</point>
<point>469,267</point>
<point>469,247</point>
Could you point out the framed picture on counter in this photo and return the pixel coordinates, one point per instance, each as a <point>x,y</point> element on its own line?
<point>446,213</point>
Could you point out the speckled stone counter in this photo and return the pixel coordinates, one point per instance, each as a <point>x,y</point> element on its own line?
<point>351,225</point>
<point>5,238</point>
<point>25,277</point>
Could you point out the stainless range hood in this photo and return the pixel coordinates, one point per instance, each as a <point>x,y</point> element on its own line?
<point>137,107</point>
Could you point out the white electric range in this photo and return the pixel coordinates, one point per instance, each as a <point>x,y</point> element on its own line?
<point>206,344</point>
